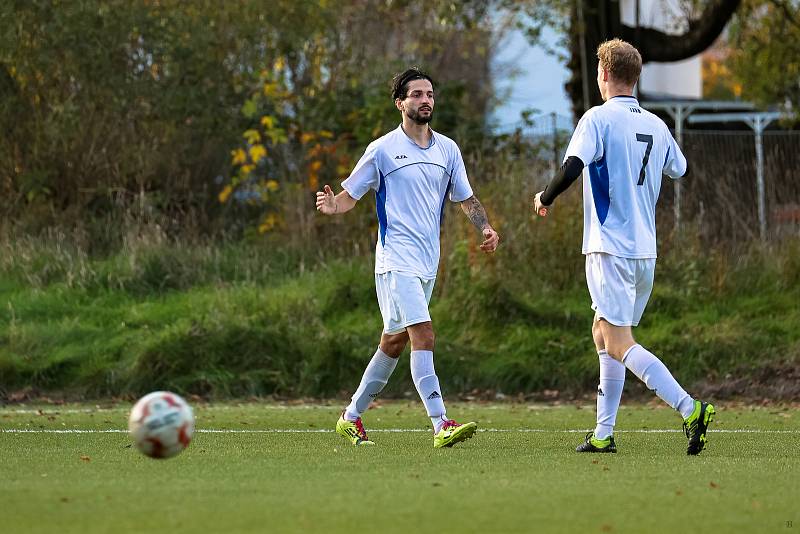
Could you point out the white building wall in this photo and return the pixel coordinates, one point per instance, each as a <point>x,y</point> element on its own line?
<point>682,79</point>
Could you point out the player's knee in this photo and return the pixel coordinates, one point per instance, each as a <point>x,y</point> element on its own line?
<point>393,344</point>
<point>422,336</point>
<point>597,336</point>
<point>426,340</point>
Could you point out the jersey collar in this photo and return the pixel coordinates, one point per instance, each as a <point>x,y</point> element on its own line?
<point>624,97</point>
<point>432,142</point>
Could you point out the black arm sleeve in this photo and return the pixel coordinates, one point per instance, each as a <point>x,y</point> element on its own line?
<point>688,170</point>
<point>570,170</point>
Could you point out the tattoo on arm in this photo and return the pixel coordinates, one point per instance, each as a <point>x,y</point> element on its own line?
<point>476,213</point>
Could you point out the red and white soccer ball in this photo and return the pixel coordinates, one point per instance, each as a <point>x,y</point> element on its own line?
<point>161,424</point>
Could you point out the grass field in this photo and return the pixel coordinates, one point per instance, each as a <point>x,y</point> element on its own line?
<point>280,468</point>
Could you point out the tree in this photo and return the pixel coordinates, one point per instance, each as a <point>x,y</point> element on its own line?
<point>112,108</point>
<point>764,44</point>
<point>591,23</point>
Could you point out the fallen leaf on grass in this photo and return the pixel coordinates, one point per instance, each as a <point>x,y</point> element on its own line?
<point>85,458</point>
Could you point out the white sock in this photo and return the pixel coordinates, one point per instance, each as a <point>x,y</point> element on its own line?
<point>609,393</point>
<point>427,385</point>
<point>375,377</point>
<point>657,377</point>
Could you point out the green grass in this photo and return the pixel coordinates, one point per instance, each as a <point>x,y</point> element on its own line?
<point>303,335</point>
<point>509,480</point>
<point>237,319</point>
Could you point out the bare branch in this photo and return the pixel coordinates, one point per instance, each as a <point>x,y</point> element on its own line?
<point>655,45</point>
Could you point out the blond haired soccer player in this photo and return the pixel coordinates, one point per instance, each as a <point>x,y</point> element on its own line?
<point>626,149</point>
<point>413,171</point>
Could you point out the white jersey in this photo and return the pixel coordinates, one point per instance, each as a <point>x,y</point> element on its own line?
<point>626,149</point>
<point>411,185</point>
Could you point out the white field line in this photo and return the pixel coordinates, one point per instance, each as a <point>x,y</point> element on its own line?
<point>255,407</point>
<point>388,430</point>
<point>56,411</point>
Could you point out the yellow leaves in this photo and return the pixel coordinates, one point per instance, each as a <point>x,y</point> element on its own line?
<point>247,169</point>
<point>307,137</point>
<point>239,156</point>
<point>257,153</point>
<point>279,64</point>
<point>271,185</point>
<point>253,136</point>
<point>225,194</point>
<point>269,222</point>
<point>268,122</point>
<point>315,166</point>
<point>326,134</point>
<point>271,90</point>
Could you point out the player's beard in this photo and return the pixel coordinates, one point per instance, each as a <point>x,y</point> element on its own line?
<point>415,116</point>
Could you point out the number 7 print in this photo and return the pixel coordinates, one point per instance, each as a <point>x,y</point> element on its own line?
<point>644,138</point>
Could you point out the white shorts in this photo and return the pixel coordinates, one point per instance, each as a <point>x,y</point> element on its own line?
<point>403,299</point>
<point>619,287</point>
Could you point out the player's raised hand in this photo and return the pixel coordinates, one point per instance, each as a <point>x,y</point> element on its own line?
<point>491,240</point>
<point>540,209</point>
<point>326,203</point>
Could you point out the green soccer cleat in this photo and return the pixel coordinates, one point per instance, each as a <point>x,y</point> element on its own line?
<point>452,433</point>
<point>592,444</point>
<point>696,425</point>
<point>353,431</point>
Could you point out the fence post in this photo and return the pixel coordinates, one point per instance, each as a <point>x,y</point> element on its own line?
<point>679,136</point>
<point>758,126</point>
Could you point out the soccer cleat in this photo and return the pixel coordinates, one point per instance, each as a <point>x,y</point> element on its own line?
<point>353,431</point>
<point>592,444</point>
<point>452,433</point>
<point>696,425</point>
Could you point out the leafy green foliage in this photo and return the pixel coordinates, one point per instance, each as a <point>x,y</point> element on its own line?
<point>765,47</point>
<point>116,111</point>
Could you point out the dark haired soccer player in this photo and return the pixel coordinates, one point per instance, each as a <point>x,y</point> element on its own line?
<point>413,171</point>
<point>626,149</point>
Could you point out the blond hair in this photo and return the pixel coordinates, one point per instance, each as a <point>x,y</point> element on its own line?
<point>621,60</point>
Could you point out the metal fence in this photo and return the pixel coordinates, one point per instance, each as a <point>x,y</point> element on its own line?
<point>720,199</point>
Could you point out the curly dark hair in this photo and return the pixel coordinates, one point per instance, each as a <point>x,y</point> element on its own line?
<point>401,80</point>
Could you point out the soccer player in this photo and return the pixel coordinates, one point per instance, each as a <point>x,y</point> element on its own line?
<point>412,170</point>
<point>626,149</point>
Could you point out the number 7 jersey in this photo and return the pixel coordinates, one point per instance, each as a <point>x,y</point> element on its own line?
<point>626,149</point>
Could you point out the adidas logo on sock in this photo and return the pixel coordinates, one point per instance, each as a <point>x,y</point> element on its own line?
<point>600,392</point>
<point>434,395</point>
<point>373,395</point>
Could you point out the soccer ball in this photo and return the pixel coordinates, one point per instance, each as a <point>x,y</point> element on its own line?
<point>161,424</point>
